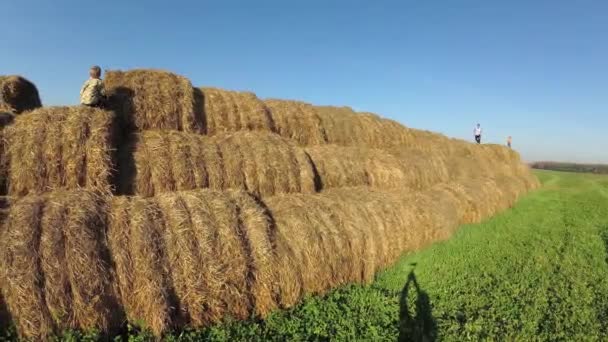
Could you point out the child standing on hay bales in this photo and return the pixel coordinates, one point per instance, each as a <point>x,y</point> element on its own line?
<point>92,93</point>
<point>477,132</point>
<point>509,141</point>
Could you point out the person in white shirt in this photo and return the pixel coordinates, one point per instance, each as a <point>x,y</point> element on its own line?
<point>477,132</point>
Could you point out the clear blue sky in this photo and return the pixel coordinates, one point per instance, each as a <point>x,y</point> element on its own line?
<point>536,70</point>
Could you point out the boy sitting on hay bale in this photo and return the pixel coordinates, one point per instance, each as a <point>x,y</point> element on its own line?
<point>92,93</point>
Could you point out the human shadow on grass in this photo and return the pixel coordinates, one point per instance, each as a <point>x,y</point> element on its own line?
<point>604,235</point>
<point>416,322</point>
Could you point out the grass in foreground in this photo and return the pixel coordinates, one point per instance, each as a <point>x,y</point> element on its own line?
<point>535,272</point>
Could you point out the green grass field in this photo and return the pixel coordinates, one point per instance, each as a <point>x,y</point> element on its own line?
<point>535,272</point>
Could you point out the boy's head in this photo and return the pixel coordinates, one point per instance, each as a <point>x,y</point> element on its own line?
<point>95,71</point>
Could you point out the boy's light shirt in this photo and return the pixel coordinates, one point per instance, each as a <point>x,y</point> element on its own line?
<point>92,91</point>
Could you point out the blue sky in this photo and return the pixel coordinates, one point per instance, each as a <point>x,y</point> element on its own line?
<point>536,70</point>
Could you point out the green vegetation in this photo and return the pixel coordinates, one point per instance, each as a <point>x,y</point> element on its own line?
<point>571,167</point>
<point>535,272</point>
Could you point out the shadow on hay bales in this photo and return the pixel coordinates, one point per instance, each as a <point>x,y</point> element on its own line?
<point>121,101</point>
<point>199,109</point>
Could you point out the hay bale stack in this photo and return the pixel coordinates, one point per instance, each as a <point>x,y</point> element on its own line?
<point>422,169</point>
<point>192,258</point>
<point>233,111</point>
<point>56,271</point>
<point>60,147</point>
<point>153,99</point>
<point>427,141</point>
<point>347,235</point>
<point>298,121</point>
<point>262,163</point>
<point>340,166</point>
<point>18,95</point>
<point>343,126</point>
<point>344,166</point>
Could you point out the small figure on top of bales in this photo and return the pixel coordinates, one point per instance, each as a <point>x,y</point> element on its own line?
<point>477,132</point>
<point>509,141</point>
<point>92,93</point>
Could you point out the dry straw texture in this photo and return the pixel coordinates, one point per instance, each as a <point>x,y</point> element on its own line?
<point>153,99</point>
<point>232,223</point>
<point>298,121</point>
<point>18,95</point>
<point>56,271</point>
<point>231,111</point>
<point>192,258</point>
<point>59,147</point>
<point>262,163</point>
<point>343,126</point>
<point>340,166</point>
<point>76,260</point>
<point>5,120</point>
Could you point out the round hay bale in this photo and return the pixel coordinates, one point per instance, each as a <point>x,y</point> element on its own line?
<point>60,148</point>
<point>422,169</point>
<point>18,95</point>
<point>153,99</point>
<point>344,126</point>
<point>303,231</point>
<point>297,121</point>
<point>262,163</point>
<point>61,236</point>
<point>340,166</point>
<point>232,111</point>
<point>5,120</point>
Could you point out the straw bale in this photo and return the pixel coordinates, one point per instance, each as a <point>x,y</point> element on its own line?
<point>21,269</point>
<point>262,163</point>
<point>153,294</point>
<point>306,240</point>
<point>60,147</point>
<point>18,95</point>
<point>232,111</point>
<point>5,120</point>
<point>297,121</point>
<point>184,258</point>
<point>5,318</point>
<point>153,99</point>
<point>190,258</point>
<point>422,169</point>
<point>339,166</point>
<point>343,126</point>
<point>56,267</point>
<point>258,235</point>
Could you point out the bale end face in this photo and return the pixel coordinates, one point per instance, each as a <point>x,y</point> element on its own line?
<point>18,95</point>
<point>153,99</point>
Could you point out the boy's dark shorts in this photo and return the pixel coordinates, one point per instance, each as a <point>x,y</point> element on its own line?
<point>478,139</point>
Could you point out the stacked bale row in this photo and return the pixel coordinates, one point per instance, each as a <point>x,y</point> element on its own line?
<point>79,260</point>
<point>59,148</point>
<point>153,99</point>
<point>297,199</point>
<point>232,111</point>
<point>17,95</point>
<point>262,163</point>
